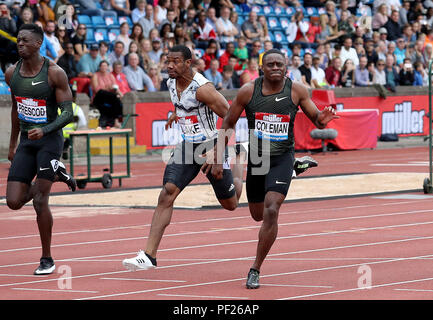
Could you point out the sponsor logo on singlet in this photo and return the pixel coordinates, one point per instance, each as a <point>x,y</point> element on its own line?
<point>32,110</point>
<point>191,129</point>
<point>270,126</point>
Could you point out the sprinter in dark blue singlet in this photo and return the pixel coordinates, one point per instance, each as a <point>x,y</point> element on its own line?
<point>270,103</point>
<point>38,89</point>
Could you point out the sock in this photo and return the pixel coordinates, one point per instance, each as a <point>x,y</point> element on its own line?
<point>153,260</point>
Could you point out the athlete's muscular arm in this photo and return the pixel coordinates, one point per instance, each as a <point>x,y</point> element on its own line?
<point>213,99</point>
<point>15,123</point>
<point>301,97</point>
<point>216,156</point>
<point>59,81</point>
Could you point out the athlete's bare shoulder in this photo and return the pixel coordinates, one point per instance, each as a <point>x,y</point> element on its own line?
<point>245,93</point>
<point>56,74</point>
<point>9,72</point>
<point>299,92</point>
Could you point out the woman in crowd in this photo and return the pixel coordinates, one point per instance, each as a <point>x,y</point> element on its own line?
<point>124,37</point>
<point>251,72</point>
<point>133,47</point>
<point>347,79</point>
<point>137,33</point>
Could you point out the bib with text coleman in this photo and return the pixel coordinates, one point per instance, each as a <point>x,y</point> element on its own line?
<point>32,110</point>
<point>270,126</point>
<point>191,129</point>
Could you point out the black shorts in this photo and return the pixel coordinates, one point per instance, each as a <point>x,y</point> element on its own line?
<point>36,158</point>
<point>185,164</point>
<point>277,178</point>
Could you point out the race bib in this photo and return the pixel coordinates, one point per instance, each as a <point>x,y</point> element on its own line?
<point>273,127</point>
<point>191,129</point>
<point>32,110</point>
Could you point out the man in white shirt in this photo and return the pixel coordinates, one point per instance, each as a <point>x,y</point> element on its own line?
<point>147,22</point>
<point>139,11</point>
<point>137,79</point>
<point>50,28</point>
<point>225,28</point>
<point>318,78</point>
<point>347,52</point>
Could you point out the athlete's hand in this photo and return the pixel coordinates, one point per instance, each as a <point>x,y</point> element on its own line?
<point>35,134</point>
<point>326,115</point>
<point>170,120</point>
<point>11,153</point>
<point>211,165</point>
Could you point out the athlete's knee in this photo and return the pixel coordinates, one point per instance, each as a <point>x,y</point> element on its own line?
<point>14,203</point>
<point>230,205</point>
<point>271,214</point>
<point>40,201</point>
<point>167,195</point>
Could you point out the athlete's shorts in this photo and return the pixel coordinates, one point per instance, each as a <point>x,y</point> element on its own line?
<point>185,164</point>
<point>36,158</point>
<point>277,178</point>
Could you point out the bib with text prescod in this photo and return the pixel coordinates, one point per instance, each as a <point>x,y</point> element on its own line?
<point>270,126</point>
<point>32,110</point>
<point>191,129</point>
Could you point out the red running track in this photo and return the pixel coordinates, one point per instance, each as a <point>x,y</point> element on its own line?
<point>325,249</point>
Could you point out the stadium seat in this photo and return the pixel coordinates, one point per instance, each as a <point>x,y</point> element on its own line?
<point>274,24</point>
<point>101,35</point>
<point>290,11</point>
<point>257,9</point>
<point>125,19</point>
<point>98,22</point>
<point>280,37</point>
<point>284,22</point>
<point>90,38</point>
<point>2,75</point>
<point>84,20</point>
<point>268,10</point>
<point>279,11</point>
<point>286,51</point>
<point>321,11</point>
<point>4,88</point>
<point>199,52</point>
<point>312,12</point>
<point>240,20</point>
<point>112,34</point>
<point>111,22</point>
<point>363,11</point>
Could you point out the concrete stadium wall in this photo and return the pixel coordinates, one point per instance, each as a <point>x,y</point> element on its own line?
<point>130,99</point>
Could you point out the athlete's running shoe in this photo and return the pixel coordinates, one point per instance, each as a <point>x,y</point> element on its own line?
<point>65,177</point>
<point>253,279</point>
<point>46,266</point>
<point>141,262</point>
<point>302,164</point>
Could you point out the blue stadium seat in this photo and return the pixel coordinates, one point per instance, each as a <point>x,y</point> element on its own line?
<point>4,88</point>
<point>112,34</point>
<point>268,10</point>
<point>312,12</point>
<point>127,19</point>
<point>98,22</point>
<point>284,22</point>
<point>257,9</point>
<point>321,11</point>
<point>286,51</point>
<point>274,24</point>
<point>280,37</point>
<point>290,11</point>
<point>279,11</point>
<point>111,22</point>
<point>101,35</point>
<point>241,19</point>
<point>84,20</point>
<point>2,75</point>
<point>199,52</point>
<point>363,11</point>
<point>90,38</point>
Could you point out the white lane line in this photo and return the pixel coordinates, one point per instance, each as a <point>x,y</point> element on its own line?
<point>355,289</point>
<point>321,210</point>
<point>204,297</point>
<point>292,285</point>
<point>154,280</point>
<point>56,290</point>
<point>420,290</point>
<point>251,227</point>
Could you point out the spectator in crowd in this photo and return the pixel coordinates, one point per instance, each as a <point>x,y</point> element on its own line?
<point>347,79</point>
<point>333,73</point>
<point>160,12</point>
<point>133,48</point>
<point>213,75</point>
<point>370,53</point>
<point>211,17</point>
<point>89,62</point>
<point>180,36</point>
<point>348,52</point>
<point>47,12</point>
<point>241,52</point>
<point>89,8</point>
<point>344,7</point>
<point>138,80</point>
<point>62,35</point>
<point>293,70</point>
<point>383,35</point>
<point>404,10</point>
<point>345,24</point>
<point>381,50</point>
<point>139,11</point>
<point>103,50</point>
<point>122,7</point>
<point>421,76</point>
<point>69,20</point>
<point>305,70</point>
<point>252,29</point>
<point>79,41</point>
<point>234,19</point>
<point>393,27</point>
<point>200,66</point>
<point>170,19</point>
<point>391,48</point>
<point>262,20</point>
<point>67,61</point>
<point>190,22</point>
<point>117,53</point>
<point>392,77</point>
<point>318,78</point>
<point>428,53</point>
<point>256,51</point>
<point>137,33</point>
<point>50,28</point>
<point>408,34</point>
<point>147,21</point>
<point>323,56</point>
<point>400,51</point>
<point>107,97</point>
<point>25,17</point>
<point>145,48</point>
<point>313,33</point>
<point>225,28</point>
<point>380,73</point>
<point>361,73</point>
<point>210,53</point>
<point>406,74</point>
<point>418,54</point>
<point>8,25</point>
<point>156,51</point>
<point>297,30</point>
<point>124,37</point>
<point>204,32</point>
<point>380,17</point>
<point>227,81</point>
<point>233,61</point>
<point>251,72</point>
<point>228,52</point>
<point>120,78</point>
<point>155,76</point>
<point>330,32</point>
<point>359,47</point>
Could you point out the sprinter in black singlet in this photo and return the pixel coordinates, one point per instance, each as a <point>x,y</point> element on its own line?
<point>271,103</point>
<point>38,88</point>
